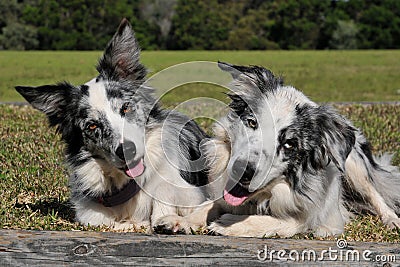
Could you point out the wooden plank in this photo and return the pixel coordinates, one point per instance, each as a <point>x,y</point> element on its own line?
<point>50,248</point>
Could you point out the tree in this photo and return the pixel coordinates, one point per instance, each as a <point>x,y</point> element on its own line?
<point>202,24</point>
<point>380,27</point>
<point>252,31</point>
<point>9,12</point>
<point>297,23</point>
<point>85,24</point>
<point>17,36</point>
<point>159,12</point>
<point>345,35</point>
<point>14,34</point>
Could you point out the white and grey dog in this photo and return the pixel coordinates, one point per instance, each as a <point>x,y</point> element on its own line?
<point>282,164</point>
<point>296,165</point>
<point>124,170</point>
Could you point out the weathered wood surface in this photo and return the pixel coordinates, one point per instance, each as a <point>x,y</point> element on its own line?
<point>51,248</point>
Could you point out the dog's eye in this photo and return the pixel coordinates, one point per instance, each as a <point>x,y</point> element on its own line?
<point>252,123</point>
<point>289,144</point>
<point>91,126</point>
<point>125,109</point>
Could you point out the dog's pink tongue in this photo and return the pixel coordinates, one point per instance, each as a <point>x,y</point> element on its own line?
<point>232,200</point>
<point>137,170</point>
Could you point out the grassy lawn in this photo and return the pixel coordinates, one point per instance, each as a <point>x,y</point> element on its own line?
<point>33,180</point>
<point>323,75</point>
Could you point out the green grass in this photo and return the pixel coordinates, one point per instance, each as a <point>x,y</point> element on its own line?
<point>325,76</point>
<point>33,180</point>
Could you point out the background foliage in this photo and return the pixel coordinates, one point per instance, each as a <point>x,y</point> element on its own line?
<point>202,24</point>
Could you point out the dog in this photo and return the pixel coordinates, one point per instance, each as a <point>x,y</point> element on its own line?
<point>127,157</point>
<point>281,164</point>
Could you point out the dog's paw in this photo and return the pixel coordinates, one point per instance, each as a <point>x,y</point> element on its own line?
<point>173,224</point>
<point>391,222</point>
<point>215,228</point>
<point>230,225</point>
<point>254,226</point>
<point>325,231</point>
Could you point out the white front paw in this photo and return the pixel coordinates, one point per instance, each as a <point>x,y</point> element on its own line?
<point>254,226</point>
<point>228,224</point>
<point>217,229</point>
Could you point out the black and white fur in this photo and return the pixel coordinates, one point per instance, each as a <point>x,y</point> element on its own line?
<point>282,164</point>
<point>112,124</point>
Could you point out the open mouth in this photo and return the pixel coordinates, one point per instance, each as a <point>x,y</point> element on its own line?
<point>135,169</point>
<point>237,195</point>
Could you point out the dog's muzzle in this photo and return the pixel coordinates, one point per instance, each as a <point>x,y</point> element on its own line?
<point>243,171</point>
<point>236,190</point>
<point>126,151</point>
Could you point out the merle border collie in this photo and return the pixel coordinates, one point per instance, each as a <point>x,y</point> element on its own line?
<point>125,171</point>
<point>282,164</point>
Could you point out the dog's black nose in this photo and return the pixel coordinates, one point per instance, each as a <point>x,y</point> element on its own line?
<point>126,150</point>
<point>243,170</point>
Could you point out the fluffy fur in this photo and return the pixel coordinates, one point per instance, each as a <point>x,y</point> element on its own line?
<point>282,164</point>
<point>118,138</point>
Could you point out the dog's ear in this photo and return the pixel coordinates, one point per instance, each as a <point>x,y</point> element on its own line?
<point>250,72</point>
<point>50,99</point>
<point>327,136</point>
<point>239,91</point>
<point>232,69</point>
<point>338,138</point>
<point>252,77</point>
<point>121,56</point>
